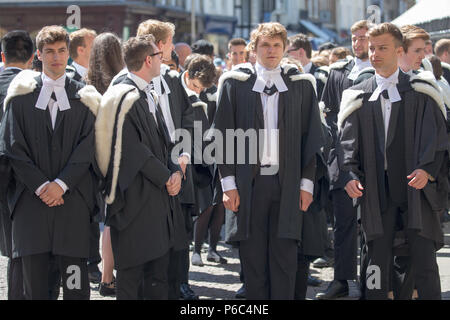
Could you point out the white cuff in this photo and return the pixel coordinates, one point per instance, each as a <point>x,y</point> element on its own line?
<point>38,191</point>
<point>62,185</point>
<point>186,155</point>
<point>307,185</point>
<point>228,183</point>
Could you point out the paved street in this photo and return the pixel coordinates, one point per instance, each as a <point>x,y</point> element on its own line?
<point>213,281</point>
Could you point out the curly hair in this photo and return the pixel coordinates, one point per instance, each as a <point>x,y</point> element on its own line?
<point>105,62</point>
<point>271,30</point>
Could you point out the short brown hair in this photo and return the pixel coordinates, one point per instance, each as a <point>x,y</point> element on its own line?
<point>361,24</point>
<point>77,39</point>
<point>136,50</point>
<point>301,41</point>
<point>236,42</point>
<point>442,46</point>
<point>410,33</point>
<point>202,68</point>
<point>390,28</point>
<point>51,35</point>
<point>271,30</point>
<point>340,52</point>
<point>159,29</point>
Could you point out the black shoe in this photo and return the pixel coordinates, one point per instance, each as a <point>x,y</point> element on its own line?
<point>323,262</point>
<point>240,294</point>
<point>95,276</point>
<point>313,281</point>
<point>336,289</point>
<point>187,293</point>
<point>107,289</point>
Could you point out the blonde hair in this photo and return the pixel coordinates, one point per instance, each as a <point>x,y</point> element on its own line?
<point>271,30</point>
<point>159,29</point>
<point>77,39</point>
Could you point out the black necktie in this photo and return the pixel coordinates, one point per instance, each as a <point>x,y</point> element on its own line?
<point>270,91</point>
<point>385,94</point>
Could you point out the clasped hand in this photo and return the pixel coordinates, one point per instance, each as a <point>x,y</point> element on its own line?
<point>51,195</point>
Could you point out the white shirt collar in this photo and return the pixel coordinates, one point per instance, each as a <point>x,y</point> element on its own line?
<point>141,83</point>
<point>80,69</point>
<point>48,87</point>
<point>158,83</point>
<point>307,68</point>
<point>389,84</point>
<point>189,92</point>
<point>264,75</point>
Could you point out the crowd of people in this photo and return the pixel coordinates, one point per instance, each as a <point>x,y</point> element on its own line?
<point>353,139</point>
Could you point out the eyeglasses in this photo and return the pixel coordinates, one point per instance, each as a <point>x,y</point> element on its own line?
<point>160,53</point>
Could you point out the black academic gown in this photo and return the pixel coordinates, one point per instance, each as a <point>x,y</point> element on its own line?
<point>203,173</point>
<point>337,82</point>
<point>301,138</point>
<point>320,85</point>
<point>143,215</point>
<point>446,72</point>
<point>37,153</point>
<point>209,96</point>
<point>423,145</point>
<point>5,221</point>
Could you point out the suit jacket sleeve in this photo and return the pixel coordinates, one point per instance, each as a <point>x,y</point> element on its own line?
<point>14,146</point>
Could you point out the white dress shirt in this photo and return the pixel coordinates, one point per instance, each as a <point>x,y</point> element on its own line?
<point>158,83</point>
<point>62,103</point>
<point>389,84</point>
<point>145,86</point>
<point>359,66</point>
<point>80,69</point>
<point>268,78</point>
<point>307,67</point>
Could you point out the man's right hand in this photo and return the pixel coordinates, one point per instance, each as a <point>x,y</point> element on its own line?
<point>354,189</point>
<point>231,200</point>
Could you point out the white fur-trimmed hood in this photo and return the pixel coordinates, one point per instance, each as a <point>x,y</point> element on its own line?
<point>425,83</point>
<point>25,83</point>
<point>351,101</point>
<point>104,125</point>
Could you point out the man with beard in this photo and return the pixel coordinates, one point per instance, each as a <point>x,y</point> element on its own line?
<point>342,76</point>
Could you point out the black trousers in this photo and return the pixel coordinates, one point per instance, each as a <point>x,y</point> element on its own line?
<point>94,246</point>
<point>422,256</point>
<point>74,275</point>
<point>15,279</point>
<point>345,236</point>
<point>301,280</point>
<point>184,254</point>
<point>269,262</point>
<point>174,281</point>
<point>150,277</point>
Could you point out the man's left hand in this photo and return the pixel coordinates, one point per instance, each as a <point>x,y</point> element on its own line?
<point>419,179</point>
<point>306,199</point>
